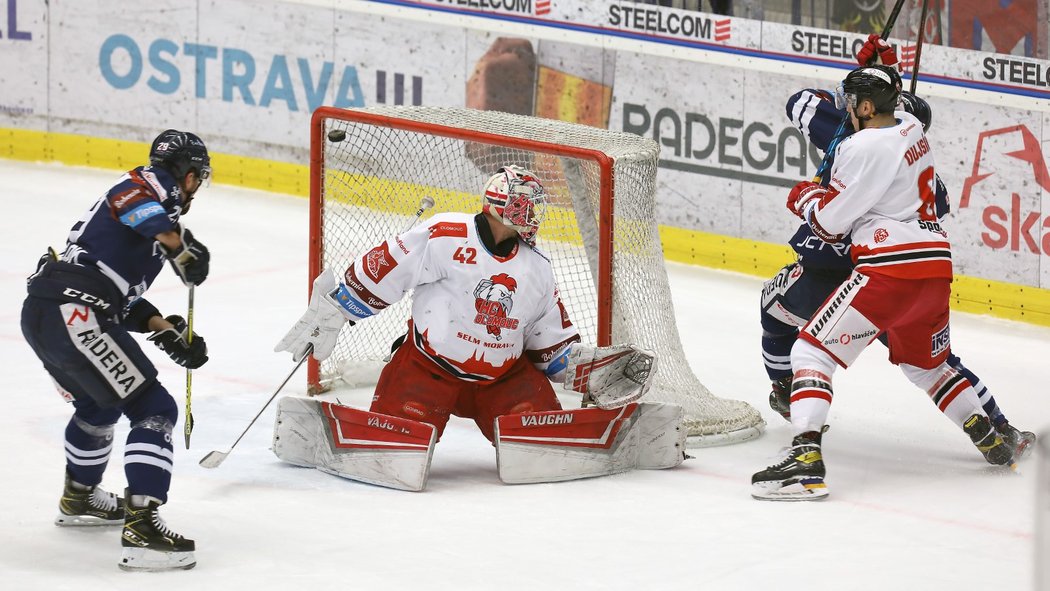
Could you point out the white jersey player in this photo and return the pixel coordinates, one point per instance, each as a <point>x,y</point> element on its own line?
<point>882,194</point>
<point>479,305</point>
<point>487,335</point>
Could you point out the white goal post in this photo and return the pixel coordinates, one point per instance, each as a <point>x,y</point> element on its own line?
<point>371,169</point>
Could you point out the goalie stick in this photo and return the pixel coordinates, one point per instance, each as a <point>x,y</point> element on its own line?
<point>424,204</point>
<point>823,175</point>
<point>214,458</point>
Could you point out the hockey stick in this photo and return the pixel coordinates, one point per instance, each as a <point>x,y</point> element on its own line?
<point>189,372</point>
<point>424,204</point>
<point>840,132</point>
<point>214,458</point>
<point>918,46</point>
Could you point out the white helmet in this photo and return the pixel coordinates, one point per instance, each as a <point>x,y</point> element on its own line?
<point>515,197</point>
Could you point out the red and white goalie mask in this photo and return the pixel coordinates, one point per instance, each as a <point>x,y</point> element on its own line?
<point>515,197</point>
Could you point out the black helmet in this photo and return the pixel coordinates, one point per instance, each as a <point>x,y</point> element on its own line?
<point>879,84</point>
<point>179,152</point>
<point>918,107</point>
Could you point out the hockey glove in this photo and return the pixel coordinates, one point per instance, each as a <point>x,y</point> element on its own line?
<point>172,341</point>
<point>876,50</point>
<point>610,377</point>
<point>803,196</point>
<point>190,261</point>
<point>320,324</point>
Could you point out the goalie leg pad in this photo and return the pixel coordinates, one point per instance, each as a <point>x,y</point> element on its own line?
<point>353,443</point>
<point>582,443</point>
<point>661,436</point>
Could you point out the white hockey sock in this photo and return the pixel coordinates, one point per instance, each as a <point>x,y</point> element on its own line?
<point>810,387</point>
<point>949,390</point>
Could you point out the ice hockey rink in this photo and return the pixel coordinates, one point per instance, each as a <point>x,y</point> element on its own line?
<point>912,506</point>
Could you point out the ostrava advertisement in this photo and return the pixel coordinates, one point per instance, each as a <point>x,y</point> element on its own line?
<point>710,89</point>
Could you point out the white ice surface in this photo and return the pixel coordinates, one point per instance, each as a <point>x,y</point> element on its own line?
<point>912,505</point>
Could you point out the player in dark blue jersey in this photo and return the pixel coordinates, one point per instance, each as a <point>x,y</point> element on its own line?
<point>791,297</point>
<point>77,318</point>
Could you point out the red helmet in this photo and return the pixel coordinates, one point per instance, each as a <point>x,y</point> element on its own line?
<point>515,197</point>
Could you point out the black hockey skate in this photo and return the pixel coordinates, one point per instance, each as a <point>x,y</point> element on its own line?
<point>988,441</point>
<point>780,397</point>
<point>798,477</point>
<point>89,506</point>
<point>1022,442</point>
<point>149,545</point>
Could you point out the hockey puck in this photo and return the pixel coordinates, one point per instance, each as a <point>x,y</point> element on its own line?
<point>336,135</point>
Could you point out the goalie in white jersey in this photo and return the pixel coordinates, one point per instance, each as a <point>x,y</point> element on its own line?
<point>488,332</point>
<point>882,194</point>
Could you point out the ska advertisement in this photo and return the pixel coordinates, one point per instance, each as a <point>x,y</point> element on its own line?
<point>1001,185</point>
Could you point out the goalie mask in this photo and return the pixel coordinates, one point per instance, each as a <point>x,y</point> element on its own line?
<point>515,197</point>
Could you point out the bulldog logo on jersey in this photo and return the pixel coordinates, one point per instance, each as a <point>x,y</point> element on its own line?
<point>494,299</point>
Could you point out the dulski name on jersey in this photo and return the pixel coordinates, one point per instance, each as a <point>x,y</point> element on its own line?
<point>544,420</point>
<point>916,150</point>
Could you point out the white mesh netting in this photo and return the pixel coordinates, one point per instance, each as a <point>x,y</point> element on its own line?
<point>373,182</point>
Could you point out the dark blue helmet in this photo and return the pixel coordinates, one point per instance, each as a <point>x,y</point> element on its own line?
<point>179,152</point>
<point>879,84</point>
<point>918,107</point>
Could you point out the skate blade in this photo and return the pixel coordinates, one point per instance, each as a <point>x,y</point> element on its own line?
<point>808,489</point>
<point>64,520</point>
<point>146,560</point>
<point>1024,448</point>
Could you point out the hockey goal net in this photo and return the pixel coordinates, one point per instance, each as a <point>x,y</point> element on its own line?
<point>371,170</point>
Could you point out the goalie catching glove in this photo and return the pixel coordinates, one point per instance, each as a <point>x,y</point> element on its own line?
<point>610,376</point>
<point>319,326</point>
<point>190,261</point>
<point>189,353</point>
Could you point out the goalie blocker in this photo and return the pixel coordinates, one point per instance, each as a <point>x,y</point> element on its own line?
<point>530,447</point>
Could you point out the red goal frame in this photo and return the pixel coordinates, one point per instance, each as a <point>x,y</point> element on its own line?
<point>604,162</point>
